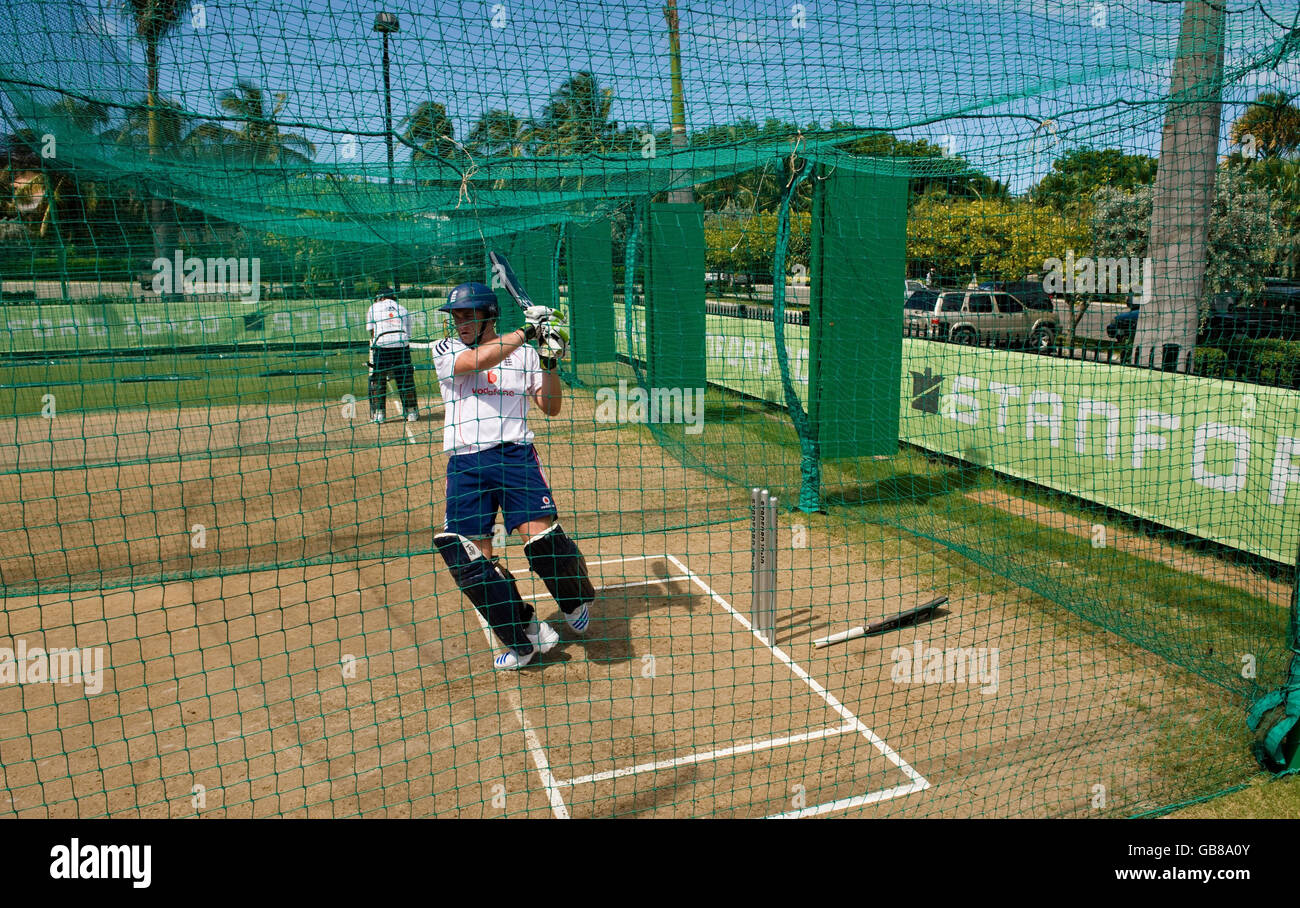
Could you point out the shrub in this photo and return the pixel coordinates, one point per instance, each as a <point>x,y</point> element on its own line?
<point>1210,362</point>
<point>1270,362</point>
<point>1280,368</point>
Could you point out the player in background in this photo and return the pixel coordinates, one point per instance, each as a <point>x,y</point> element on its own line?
<point>487,383</point>
<point>389,325</point>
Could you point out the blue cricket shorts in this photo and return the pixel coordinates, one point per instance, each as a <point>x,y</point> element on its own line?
<point>508,478</point>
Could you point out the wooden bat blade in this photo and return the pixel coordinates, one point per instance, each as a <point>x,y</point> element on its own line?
<point>502,271</point>
<point>906,617</point>
<point>883,624</point>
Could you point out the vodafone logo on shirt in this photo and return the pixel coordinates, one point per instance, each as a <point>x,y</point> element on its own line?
<point>493,377</point>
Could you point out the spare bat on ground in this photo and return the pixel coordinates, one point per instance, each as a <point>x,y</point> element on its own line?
<point>884,624</point>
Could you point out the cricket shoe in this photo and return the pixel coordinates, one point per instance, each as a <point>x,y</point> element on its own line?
<point>510,661</point>
<point>377,417</point>
<point>544,638</point>
<point>413,416</point>
<point>579,619</point>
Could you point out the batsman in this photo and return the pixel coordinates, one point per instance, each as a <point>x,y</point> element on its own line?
<point>488,382</point>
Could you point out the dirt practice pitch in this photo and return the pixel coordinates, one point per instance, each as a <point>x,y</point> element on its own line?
<point>357,680</point>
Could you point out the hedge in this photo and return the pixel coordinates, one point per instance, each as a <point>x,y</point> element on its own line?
<point>1266,361</point>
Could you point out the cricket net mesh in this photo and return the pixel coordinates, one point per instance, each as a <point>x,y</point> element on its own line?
<point>877,272</point>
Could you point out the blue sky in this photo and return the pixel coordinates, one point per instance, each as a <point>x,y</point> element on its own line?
<point>976,75</point>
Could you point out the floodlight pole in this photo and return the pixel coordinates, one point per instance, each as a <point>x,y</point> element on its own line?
<point>387,24</point>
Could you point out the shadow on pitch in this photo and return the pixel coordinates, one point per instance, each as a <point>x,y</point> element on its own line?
<point>609,638</point>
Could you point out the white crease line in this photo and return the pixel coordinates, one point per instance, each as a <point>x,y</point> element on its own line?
<point>725,752</point>
<point>615,586</point>
<point>856,801</point>
<point>623,559</point>
<point>888,752</point>
<point>535,749</point>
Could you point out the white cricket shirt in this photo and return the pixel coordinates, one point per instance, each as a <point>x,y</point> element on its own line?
<point>486,408</point>
<point>389,323</point>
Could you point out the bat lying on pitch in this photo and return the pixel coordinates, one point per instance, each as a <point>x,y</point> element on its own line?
<point>884,624</point>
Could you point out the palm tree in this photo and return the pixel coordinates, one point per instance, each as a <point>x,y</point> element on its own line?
<point>153,20</point>
<point>1274,121</point>
<point>37,192</point>
<point>24,177</point>
<point>56,191</point>
<point>500,134</point>
<point>576,120</point>
<point>47,188</point>
<point>165,121</point>
<point>1280,177</point>
<point>259,138</point>
<point>432,133</point>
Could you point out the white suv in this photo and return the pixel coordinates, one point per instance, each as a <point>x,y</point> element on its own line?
<point>981,317</point>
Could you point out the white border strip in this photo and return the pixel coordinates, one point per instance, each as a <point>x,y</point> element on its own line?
<point>532,597</point>
<point>848,803</point>
<point>535,749</point>
<point>623,559</point>
<point>751,747</point>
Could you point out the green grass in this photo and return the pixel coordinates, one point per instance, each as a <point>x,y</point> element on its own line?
<point>106,383</point>
<point>1263,798</point>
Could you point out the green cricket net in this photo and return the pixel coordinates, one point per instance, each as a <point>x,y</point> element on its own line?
<point>996,298</point>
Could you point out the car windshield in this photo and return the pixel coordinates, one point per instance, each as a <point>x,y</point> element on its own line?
<point>922,302</point>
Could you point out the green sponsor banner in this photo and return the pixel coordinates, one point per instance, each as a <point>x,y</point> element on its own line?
<point>1217,459</point>
<point>146,325</point>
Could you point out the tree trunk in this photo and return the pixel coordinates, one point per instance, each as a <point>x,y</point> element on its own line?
<point>157,208</point>
<point>53,196</point>
<point>682,195</point>
<point>1077,310</point>
<point>1184,193</point>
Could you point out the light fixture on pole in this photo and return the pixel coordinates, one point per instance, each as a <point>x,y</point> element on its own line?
<point>386,24</point>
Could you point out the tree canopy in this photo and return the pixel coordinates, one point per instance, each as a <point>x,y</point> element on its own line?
<point>1080,172</point>
<point>1270,126</point>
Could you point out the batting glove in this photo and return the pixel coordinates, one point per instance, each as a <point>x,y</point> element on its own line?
<point>537,316</point>
<point>552,345</point>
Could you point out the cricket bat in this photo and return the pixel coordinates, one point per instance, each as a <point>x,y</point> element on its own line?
<point>884,624</point>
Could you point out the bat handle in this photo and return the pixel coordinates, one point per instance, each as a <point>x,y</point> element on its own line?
<point>850,634</point>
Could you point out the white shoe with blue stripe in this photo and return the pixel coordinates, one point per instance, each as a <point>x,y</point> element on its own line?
<point>579,618</point>
<point>510,661</point>
<point>545,637</point>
